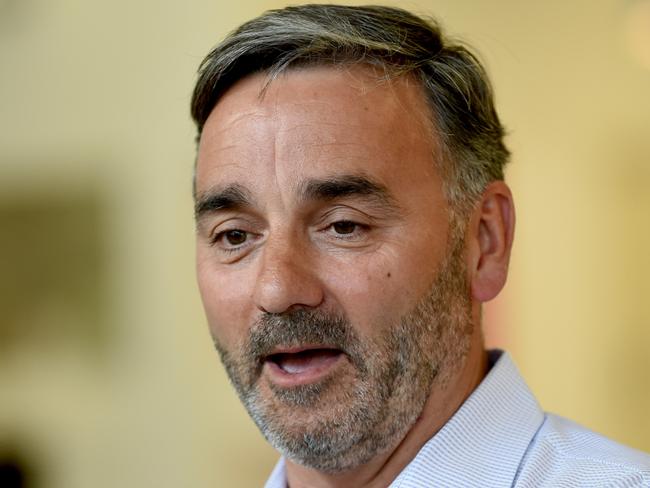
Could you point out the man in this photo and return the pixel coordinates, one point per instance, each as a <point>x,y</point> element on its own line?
<point>351,219</point>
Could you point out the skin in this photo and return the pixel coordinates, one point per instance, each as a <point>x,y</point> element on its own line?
<point>323,123</point>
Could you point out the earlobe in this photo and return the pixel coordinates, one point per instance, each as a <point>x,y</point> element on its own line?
<point>492,233</point>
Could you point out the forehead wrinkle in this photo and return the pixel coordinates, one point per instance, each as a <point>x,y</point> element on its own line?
<point>223,140</point>
<point>276,148</point>
<point>234,117</point>
<point>338,144</point>
<point>227,147</point>
<point>319,124</point>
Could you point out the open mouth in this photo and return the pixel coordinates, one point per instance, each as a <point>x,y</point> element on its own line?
<point>301,361</point>
<point>302,365</point>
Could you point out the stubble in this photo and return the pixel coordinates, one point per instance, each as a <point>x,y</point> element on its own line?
<point>347,419</point>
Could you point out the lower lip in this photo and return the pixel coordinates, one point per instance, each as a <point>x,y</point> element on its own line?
<point>283,379</point>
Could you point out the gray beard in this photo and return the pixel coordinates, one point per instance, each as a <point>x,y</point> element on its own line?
<point>340,423</point>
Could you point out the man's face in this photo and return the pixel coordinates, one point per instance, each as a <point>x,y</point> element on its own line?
<point>333,283</point>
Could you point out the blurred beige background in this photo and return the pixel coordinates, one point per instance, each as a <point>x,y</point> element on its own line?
<point>107,373</point>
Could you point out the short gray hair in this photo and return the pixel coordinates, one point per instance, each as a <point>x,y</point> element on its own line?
<point>398,43</point>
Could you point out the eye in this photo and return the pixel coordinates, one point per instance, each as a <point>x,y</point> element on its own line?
<point>231,238</point>
<point>235,237</point>
<point>344,227</point>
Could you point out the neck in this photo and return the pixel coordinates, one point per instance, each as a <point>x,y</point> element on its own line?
<point>440,406</point>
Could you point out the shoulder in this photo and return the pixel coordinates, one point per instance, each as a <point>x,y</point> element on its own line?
<point>564,453</point>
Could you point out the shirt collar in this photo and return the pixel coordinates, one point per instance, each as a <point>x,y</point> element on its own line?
<point>482,444</point>
<point>278,478</point>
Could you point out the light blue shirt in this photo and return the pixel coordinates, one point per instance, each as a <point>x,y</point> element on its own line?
<point>500,437</point>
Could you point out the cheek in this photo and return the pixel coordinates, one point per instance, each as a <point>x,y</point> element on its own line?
<point>377,290</point>
<point>224,299</point>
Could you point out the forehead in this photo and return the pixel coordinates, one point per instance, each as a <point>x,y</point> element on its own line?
<point>317,122</point>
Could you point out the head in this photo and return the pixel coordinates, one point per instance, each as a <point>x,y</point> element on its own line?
<point>351,217</point>
<point>395,43</point>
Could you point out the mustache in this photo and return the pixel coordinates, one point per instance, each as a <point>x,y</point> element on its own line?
<point>300,327</point>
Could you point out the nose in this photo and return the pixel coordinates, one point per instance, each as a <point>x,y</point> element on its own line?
<point>287,278</point>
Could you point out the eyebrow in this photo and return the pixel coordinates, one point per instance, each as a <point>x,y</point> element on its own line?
<point>231,197</point>
<point>235,196</point>
<point>343,186</point>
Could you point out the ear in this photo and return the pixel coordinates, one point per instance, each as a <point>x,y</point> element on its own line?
<point>489,240</point>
